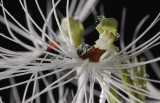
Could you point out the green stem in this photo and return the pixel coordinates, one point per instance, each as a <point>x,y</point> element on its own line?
<point>127,80</point>
<point>112,100</point>
<point>141,72</point>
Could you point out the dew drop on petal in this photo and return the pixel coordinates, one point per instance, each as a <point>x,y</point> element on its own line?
<point>117,37</point>
<point>83,49</point>
<point>98,19</point>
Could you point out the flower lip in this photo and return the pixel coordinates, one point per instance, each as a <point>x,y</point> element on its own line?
<point>93,54</point>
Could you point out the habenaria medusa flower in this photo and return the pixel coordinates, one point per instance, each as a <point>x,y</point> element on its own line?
<point>55,65</point>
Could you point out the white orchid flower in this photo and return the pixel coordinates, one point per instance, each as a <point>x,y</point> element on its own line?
<point>58,51</point>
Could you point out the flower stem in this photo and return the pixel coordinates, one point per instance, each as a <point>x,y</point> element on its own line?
<point>112,100</point>
<point>141,72</point>
<point>127,80</point>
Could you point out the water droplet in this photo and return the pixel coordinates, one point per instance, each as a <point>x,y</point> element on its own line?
<point>117,37</point>
<point>98,19</point>
<point>83,49</point>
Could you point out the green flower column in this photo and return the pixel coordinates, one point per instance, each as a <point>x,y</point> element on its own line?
<point>107,29</point>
